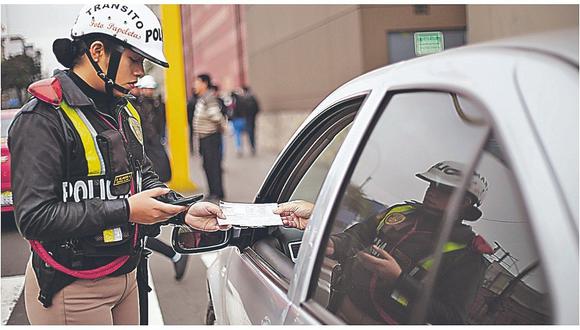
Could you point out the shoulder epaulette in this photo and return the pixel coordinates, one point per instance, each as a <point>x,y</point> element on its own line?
<point>47,90</point>
<point>401,208</point>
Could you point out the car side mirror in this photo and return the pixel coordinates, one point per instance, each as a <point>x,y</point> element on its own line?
<point>187,240</point>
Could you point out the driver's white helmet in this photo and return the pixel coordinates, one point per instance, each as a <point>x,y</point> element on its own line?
<point>146,82</point>
<point>134,25</point>
<point>449,173</point>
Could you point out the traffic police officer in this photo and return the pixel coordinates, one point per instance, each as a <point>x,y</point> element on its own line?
<point>85,193</point>
<point>383,260</point>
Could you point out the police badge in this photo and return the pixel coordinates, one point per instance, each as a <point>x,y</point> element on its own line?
<point>395,218</point>
<point>136,128</point>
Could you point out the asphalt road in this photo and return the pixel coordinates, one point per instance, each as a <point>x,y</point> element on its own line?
<point>180,302</point>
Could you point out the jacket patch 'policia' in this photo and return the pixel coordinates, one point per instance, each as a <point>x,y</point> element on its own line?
<point>87,189</point>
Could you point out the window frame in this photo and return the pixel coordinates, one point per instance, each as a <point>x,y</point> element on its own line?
<point>309,304</point>
<point>304,147</point>
<point>287,175</point>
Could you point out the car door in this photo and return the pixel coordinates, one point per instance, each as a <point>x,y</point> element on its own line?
<point>445,127</point>
<point>258,275</point>
<point>413,130</point>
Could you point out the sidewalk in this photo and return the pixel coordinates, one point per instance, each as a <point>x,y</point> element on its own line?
<point>242,176</point>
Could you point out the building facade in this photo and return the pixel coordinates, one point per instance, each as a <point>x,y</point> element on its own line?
<point>213,42</point>
<point>294,55</point>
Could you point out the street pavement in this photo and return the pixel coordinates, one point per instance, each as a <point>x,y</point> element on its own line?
<point>172,302</point>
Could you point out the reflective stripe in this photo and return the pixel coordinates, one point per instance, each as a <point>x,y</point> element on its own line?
<point>426,265</point>
<point>448,247</point>
<point>133,112</point>
<point>95,164</point>
<point>398,297</point>
<point>94,135</point>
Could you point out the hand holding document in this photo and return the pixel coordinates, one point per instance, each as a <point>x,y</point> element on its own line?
<point>249,215</point>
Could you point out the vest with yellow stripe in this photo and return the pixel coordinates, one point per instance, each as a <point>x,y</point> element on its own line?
<point>105,162</point>
<point>93,163</point>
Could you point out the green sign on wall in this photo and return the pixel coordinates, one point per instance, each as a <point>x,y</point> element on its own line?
<point>428,43</point>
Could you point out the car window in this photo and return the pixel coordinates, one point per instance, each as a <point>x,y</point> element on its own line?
<point>300,173</point>
<point>404,191</point>
<point>513,290</point>
<point>299,156</point>
<point>309,185</point>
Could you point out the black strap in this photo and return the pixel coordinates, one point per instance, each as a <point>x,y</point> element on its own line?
<point>114,60</point>
<point>143,287</point>
<point>113,67</point>
<point>50,281</point>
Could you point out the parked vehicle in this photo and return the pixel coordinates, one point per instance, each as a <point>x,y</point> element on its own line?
<point>506,109</point>
<point>7,207</point>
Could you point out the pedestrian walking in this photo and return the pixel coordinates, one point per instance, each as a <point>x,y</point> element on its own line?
<point>214,90</point>
<point>251,111</point>
<point>85,193</point>
<point>238,119</point>
<point>190,110</point>
<point>209,124</point>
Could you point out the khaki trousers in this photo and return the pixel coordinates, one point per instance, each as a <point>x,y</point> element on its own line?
<point>105,301</point>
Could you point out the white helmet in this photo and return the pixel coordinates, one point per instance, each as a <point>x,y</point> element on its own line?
<point>146,82</point>
<point>134,25</point>
<point>449,173</point>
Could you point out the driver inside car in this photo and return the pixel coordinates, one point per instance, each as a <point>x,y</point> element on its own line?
<point>384,259</point>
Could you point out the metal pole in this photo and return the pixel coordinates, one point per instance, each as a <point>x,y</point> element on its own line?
<point>175,103</point>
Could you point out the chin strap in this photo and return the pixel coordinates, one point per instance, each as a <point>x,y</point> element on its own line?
<point>114,60</point>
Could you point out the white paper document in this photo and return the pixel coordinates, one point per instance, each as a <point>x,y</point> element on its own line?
<point>249,215</point>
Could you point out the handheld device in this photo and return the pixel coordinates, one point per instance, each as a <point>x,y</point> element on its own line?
<point>185,201</point>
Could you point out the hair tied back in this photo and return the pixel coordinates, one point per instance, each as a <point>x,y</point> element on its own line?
<point>65,51</point>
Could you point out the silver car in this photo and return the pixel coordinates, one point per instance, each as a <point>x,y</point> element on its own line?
<point>507,110</point>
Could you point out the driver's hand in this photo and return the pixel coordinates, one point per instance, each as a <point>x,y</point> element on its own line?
<point>295,214</point>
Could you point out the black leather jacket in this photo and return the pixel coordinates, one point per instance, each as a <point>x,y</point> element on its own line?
<point>38,146</point>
